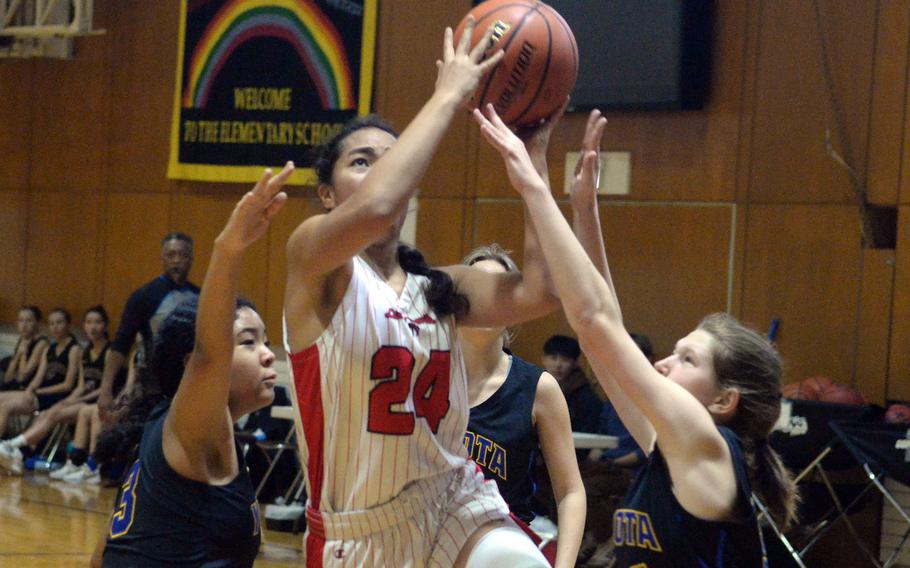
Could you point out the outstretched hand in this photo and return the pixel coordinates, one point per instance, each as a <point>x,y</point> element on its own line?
<point>462,66</point>
<point>587,170</point>
<point>521,170</point>
<point>255,210</point>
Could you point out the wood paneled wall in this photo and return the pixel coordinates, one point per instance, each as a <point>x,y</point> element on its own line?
<point>737,206</point>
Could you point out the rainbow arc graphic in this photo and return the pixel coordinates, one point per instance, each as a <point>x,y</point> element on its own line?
<point>298,22</point>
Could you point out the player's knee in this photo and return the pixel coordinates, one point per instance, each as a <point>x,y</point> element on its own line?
<point>506,546</point>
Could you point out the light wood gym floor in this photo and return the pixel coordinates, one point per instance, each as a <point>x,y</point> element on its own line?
<point>46,523</point>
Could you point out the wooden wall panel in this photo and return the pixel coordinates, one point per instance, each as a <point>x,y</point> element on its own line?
<point>16,80</point>
<point>670,264</point>
<point>874,328</point>
<point>899,362</point>
<point>13,217</point>
<point>440,225</point>
<point>300,206</point>
<point>411,34</point>
<point>202,216</point>
<point>800,269</point>
<point>793,108</point>
<point>70,133</point>
<point>135,224</point>
<point>63,255</point>
<point>144,45</point>
<point>888,93</point>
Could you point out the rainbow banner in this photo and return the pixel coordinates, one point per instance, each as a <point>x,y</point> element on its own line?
<point>260,82</point>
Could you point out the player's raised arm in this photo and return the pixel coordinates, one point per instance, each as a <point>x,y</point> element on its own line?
<point>325,242</point>
<point>199,421</point>
<point>678,418</point>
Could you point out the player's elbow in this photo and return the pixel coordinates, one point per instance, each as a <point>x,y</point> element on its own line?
<point>588,319</point>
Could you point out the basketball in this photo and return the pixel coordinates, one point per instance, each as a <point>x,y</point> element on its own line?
<point>814,388</point>
<point>790,390</point>
<point>540,64</point>
<point>843,394</point>
<point>898,414</point>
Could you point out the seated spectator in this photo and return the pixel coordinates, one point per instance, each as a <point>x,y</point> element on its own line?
<point>81,466</point>
<point>627,453</point>
<point>561,355</point>
<point>86,391</point>
<point>55,378</point>
<point>30,347</point>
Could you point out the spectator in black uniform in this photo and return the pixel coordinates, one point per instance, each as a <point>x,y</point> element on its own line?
<point>188,500</point>
<point>517,411</point>
<point>147,306</point>
<point>89,381</point>
<point>54,380</point>
<point>22,365</point>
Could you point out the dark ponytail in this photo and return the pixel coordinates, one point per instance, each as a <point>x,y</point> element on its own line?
<point>158,380</point>
<point>441,295</point>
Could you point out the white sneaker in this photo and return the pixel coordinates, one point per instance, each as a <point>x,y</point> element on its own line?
<point>10,458</point>
<point>84,474</point>
<point>64,471</point>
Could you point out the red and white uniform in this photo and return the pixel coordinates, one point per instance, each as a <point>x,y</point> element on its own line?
<point>381,409</point>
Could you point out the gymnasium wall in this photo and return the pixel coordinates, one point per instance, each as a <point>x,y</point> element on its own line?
<point>734,207</point>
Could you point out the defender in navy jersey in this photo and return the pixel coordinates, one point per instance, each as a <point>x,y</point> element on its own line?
<point>502,439</point>
<point>721,376</point>
<point>517,410</point>
<point>188,500</point>
<point>165,519</point>
<point>653,529</point>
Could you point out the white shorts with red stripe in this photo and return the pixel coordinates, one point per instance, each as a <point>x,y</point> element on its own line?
<point>426,525</point>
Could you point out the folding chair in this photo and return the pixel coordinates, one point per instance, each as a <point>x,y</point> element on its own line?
<point>269,446</point>
<point>766,520</point>
<point>882,450</point>
<point>60,434</point>
<point>809,447</point>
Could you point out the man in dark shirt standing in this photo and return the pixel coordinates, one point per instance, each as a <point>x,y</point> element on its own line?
<point>147,306</point>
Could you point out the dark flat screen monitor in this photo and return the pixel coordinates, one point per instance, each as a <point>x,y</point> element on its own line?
<point>641,54</point>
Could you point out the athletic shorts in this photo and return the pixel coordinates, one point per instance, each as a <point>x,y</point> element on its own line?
<point>46,401</point>
<point>426,525</point>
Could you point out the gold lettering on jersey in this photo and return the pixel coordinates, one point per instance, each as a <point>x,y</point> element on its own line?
<point>487,453</point>
<point>634,528</point>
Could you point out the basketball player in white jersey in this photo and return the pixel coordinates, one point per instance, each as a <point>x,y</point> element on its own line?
<point>379,381</point>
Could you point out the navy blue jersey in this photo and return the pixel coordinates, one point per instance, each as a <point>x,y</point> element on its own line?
<point>164,519</point>
<point>652,529</point>
<point>57,364</point>
<point>93,369</point>
<point>502,439</point>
